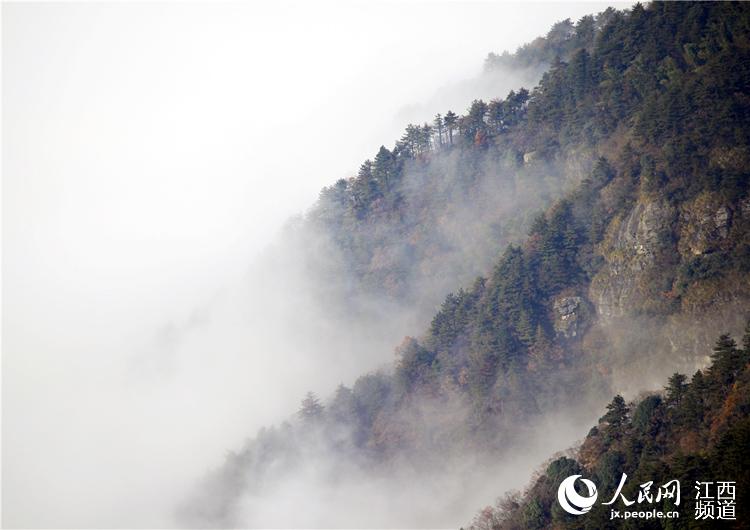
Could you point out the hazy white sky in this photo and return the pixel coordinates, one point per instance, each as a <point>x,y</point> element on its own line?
<point>149,151</point>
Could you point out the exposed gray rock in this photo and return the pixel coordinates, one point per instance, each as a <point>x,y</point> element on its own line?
<point>630,251</point>
<point>721,221</point>
<point>570,316</point>
<point>704,224</point>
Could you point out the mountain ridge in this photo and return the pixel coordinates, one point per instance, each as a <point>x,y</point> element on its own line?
<point>696,430</point>
<point>642,248</point>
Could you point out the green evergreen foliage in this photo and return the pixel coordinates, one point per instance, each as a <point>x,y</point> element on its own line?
<point>726,360</point>
<point>656,97</point>
<point>676,388</point>
<point>659,446</point>
<point>632,74</point>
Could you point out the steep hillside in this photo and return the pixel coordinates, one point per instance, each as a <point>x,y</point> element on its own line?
<point>637,150</point>
<point>657,93</point>
<point>561,42</point>
<point>653,241</point>
<point>691,431</point>
<point>438,208</point>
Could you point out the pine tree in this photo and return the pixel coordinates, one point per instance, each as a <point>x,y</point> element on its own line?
<point>496,115</point>
<point>425,139</point>
<point>693,402</point>
<point>439,127</point>
<point>310,410</point>
<point>342,408</point>
<point>474,125</point>
<point>450,121</point>
<point>617,414</point>
<point>364,190</point>
<point>726,360</point>
<point>676,388</point>
<point>579,74</point>
<point>411,139</point>
<point>383,169</point>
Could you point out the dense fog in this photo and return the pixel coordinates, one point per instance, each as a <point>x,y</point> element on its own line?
<point>155,314</point>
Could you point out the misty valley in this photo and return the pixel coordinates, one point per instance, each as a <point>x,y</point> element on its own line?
<point>593,234</point>
<point>517,310</point>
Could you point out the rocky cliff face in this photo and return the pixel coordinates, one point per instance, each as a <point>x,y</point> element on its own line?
<point>572,315</point>
<point>704,225</point>
<point>657,278</point>
<point>635,248</point>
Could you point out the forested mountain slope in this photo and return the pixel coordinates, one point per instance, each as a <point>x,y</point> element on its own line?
<point>694,430</point>
<point>438,208</point>
<point>653,123</point>
<point>635,146</point>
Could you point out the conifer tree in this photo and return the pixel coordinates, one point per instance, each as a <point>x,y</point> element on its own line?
<point>383,169</point>
<point>676,388</point>
<point>694,403</point>
<point>439,127</point>
<point>310,410</point>
<point>450,121</point>
<point>617,413</point>
<point>726,360</point>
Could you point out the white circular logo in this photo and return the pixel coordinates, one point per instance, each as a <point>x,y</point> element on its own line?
<point>569,498</point>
